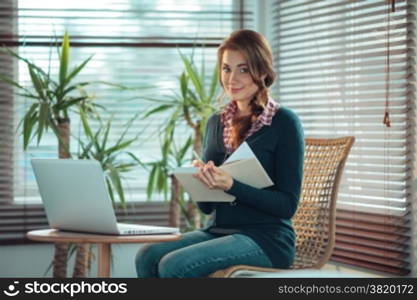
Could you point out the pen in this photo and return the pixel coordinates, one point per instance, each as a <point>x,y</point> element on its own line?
<point>197,156</point>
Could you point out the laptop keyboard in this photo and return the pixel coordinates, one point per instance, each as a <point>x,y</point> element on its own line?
<point>139,229</point>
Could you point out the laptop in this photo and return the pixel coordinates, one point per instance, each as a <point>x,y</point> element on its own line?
<point>76,198</point>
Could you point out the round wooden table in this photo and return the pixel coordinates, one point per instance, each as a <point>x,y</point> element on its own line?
<point>103,242</point>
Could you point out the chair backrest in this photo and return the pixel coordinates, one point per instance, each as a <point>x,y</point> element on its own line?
<point>314,221</point>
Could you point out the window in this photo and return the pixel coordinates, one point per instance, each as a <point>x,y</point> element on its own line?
<point>134,43</point>
<point>331,57</point>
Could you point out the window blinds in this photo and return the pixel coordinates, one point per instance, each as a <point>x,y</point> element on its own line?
<point>7,25</point>
<point>135,43</point>
<point>332,64</point>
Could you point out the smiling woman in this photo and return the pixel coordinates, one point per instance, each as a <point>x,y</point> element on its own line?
<point>245,59</point>
<point>256,228</point>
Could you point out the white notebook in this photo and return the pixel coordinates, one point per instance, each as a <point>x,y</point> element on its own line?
<point>242,165</point>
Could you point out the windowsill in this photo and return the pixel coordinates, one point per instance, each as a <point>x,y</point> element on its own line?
<point>353,271</point>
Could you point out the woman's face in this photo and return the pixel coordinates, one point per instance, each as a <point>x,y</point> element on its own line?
<point>235,77</point>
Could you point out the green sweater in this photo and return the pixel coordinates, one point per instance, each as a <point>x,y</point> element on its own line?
<point>263,214</point>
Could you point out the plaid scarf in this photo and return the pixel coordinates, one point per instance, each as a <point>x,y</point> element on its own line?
<point>226,117</point>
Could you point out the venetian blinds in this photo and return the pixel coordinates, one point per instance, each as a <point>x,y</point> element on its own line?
<point>134,43</point>
<point>334,59</point>
<point>6,112</point>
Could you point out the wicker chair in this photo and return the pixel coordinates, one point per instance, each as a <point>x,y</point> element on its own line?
<point>314,221</point>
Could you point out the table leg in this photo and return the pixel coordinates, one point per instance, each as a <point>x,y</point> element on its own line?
<point>103,260</point>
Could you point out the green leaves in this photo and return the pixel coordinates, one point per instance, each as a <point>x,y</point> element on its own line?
<point>37,117</point>
<point>197,101</point>
<point>53,97</point>
<point>119,147</point>
<point>77,70</point>
<point>191,106</point>
<point>157,180</point>
<point>86,125</point>
<point>29,121</point>
<point>44,118</point>
<point>64,60</point>
<point>95,145</point>
<point>116,182</point>
<point>37,82</point>
<point>192,73</point>
<point>158,109</point>
<point>180,155</point>
<point>184,85</point>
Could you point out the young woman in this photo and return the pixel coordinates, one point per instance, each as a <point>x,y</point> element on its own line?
<point>256,228</point>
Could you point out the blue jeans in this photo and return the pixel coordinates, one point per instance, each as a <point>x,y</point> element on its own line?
<point>198,254</point>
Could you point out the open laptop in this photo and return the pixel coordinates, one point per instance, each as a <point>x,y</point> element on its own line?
<point>75,197</point>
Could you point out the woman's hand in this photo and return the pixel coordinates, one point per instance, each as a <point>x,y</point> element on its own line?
<point>197,163</point>
<point>212,176</point>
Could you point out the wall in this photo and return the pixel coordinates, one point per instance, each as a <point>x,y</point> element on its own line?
<point>33,260</point>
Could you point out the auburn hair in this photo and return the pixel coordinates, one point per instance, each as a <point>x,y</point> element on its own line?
<point>258,54</point>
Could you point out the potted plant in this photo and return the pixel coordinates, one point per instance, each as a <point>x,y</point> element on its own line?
<point>96,145</point>
<point>52,100</point>
<point>191,106</point>
<point>162,181</point>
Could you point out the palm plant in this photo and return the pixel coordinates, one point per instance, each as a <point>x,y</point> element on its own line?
<point>191,107</point>
<point>95,145</point>
<point>161,180</point>
<point>52,100</point>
